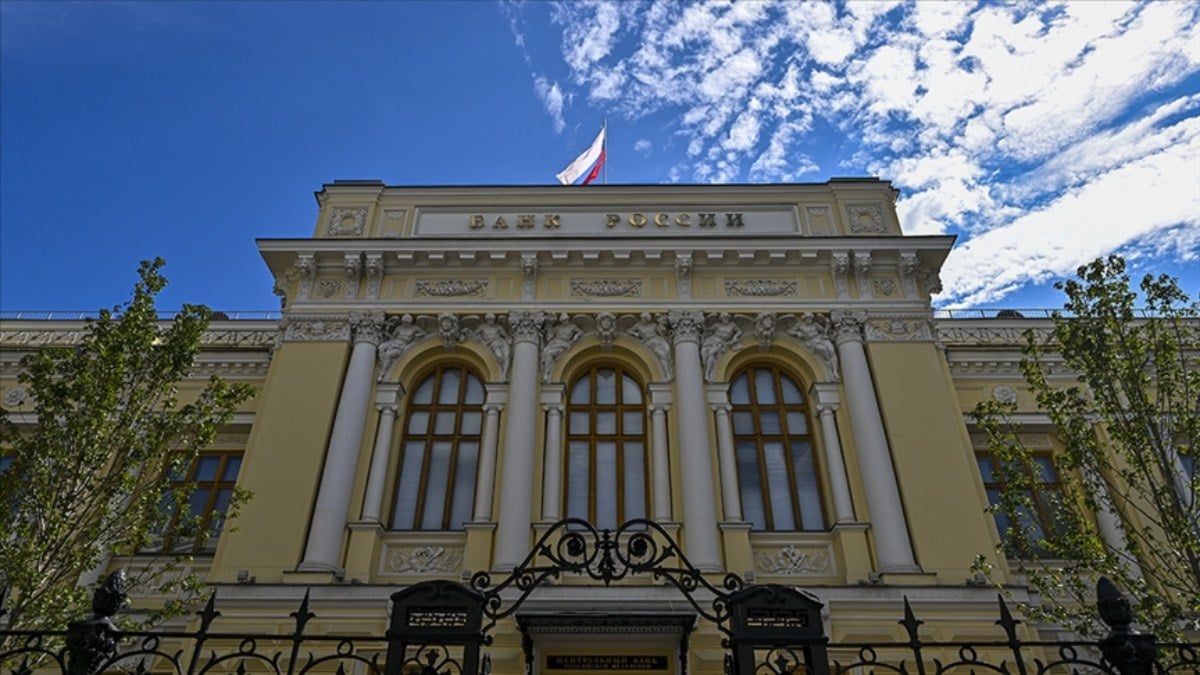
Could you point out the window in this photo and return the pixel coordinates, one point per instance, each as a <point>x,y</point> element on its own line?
<point>435,488</point>
<point>606,447</point>
<point>777,473</point>
<point>208,483</point>
<point>1040,498</point>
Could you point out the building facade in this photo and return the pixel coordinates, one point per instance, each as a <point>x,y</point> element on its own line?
<point>756,369</point>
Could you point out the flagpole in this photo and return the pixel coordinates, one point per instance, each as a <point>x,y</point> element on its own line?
<point>606,151</point>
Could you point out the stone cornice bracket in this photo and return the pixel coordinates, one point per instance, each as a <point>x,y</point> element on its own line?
<point>353,274</point>
<point>683,275</point>
<point>813,331</point>
<point>686,325</point>
<point>862,274</point>
<point>306,270</point>
<point>931,279</point>
<point>765,324</point>
<point>332,328</point>
<point>848,326</point>
<point>839,267</point>
<point>367,327</point>
<point>526,326</point>
<point>529,270</point>
<point>374,270</point>
<point>910,266</point>
<point>449,329</point>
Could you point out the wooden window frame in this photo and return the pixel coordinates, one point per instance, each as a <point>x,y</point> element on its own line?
<point>780,408</point>
<point>618,408</point>
<point>429,437</point>
<point>201,544</point>
<point>1045,520</point>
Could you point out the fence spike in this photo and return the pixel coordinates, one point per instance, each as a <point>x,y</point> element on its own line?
<point>910,622</point>
<point>1006,620</point>
<point>209,613</point>
<point>302,615</point>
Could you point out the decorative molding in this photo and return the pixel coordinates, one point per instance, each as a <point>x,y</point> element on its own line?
<point>246,337</point>
<point>1002,393</point>
<point>764,329</point>
<point>899,328</point>
<point>683,274</point>
<point>424,560</point>
<point>910,267</point>
<point>884,286</point>
<point>474,288</point>
<point>374,270</point>
<point>1034,441</point>
<point>931,279</point>
<point>316,329</point>
<point>559,338</point>
<point>606,329</point>
<point>449,330</point>
<point>16,396</point>
<point>526,326</point>
<point>606,288</point>
<point>839,268</point>
<point>353,274</point>
<point>367,327</point>
<point>847,326</point>
<point>760,288</point>
<point>346,222</point>
<point>1009,336</point>
<point>529,270</point>
<point>792,561</point>
<point>306,270</point>
<point>329,287</point>
<point>686,326</point>
<point>866,218</point>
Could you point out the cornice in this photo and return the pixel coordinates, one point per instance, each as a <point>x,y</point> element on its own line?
<point>255,334</point>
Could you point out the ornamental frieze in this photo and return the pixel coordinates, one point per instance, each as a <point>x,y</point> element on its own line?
<point>423,560</point>
<point>606,288</point>
<point>906,329</point>
<point>760,288</point>
<point>989,335</point>
<point>794,561</point>
<point>475,288</point>
<point>316,329</point>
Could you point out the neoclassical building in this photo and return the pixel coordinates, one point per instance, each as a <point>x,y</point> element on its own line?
<point>755,368</point>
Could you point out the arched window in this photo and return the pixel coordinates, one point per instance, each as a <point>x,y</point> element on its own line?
<point>777,473</point>
<point>435,488</point>
<point>606,447</point>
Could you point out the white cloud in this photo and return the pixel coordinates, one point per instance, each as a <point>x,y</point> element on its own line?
<point>552,99</point>
<point>643,146</point>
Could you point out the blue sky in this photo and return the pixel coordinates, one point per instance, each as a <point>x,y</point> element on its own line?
<point>1041,134</point>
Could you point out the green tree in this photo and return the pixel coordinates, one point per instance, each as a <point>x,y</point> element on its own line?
<point>1129,425</point>
<point>94,475</point>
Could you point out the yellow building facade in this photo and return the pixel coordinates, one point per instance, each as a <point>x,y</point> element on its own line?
<point>755,369</point>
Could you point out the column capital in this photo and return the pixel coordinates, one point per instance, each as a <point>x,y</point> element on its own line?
<point>552,407</point>
<point>526,326</point>
<point>825,395</point>
<point>848,326</point>
<point>366,327</point>
<point>659,408</point>
<point>720,407</point>
<point>686,325</point>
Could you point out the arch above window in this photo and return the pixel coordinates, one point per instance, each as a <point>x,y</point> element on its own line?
<point>439,451</point>
<point>606,446</point>
<point>777,468</point>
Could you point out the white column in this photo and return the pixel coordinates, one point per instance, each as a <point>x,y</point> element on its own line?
<point>889,527</point>
<point>731,492</point>
<point>660,463</point>
<point>1109,523</point>
<point>485,482</point>
<point>552,397</point>
<point>825,396</point>
<point>341,459</point>
<point>699,510</point>
<point>387,400</point>
<point>516,498</point>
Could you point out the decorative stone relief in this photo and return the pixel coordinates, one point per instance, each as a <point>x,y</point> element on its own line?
<point>865,218</point>
<point>653,334</point>
<point>847,326</point>
<point>760,288</point>
<point>328,287</point>
<point>449,330</point>
<point>683,274</point>
<point>989,335</point>
<point>353,274</point>
<point>719,338</point>
<point>792,561</point>
<point>764,329</point>
<point>1002,393</point>
<point>606,288</point>
<point>346,222</point>
<point>862,275</point>
<point>306,269</point>
<point>497,340</point>
<point>367,327</point>
<point>15,396</point>
<point>884,286</point>
<point>424,560</point>
<point>931,279</point>
<point>401,332</point>
<point>316,329</point>
<point>813,331</point>
<point>606,329</point>
<point>818,219</point>
<point>909,268</point>
<point>529,270</point>
<point>899,329</point>
<point>840,266</point>
<point>686,326</point>
<point>374,268</point>
<point>559,338</point>
<point>475,288</point>
<point>526,326</point>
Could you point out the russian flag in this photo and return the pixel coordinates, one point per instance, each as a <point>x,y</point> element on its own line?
<point>592,158</point>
